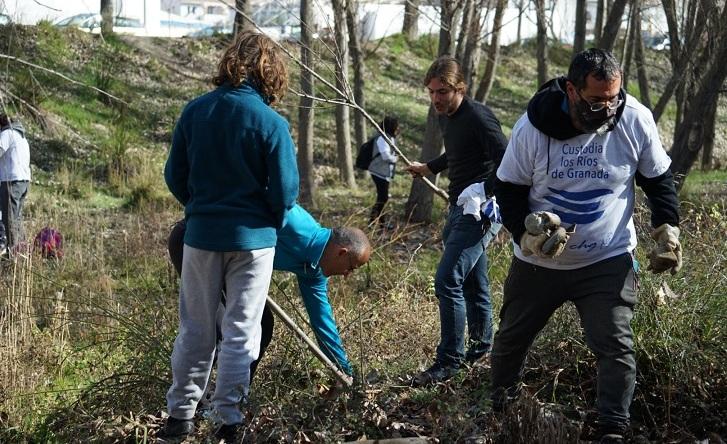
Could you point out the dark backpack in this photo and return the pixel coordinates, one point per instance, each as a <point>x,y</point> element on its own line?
<point>365,154</point>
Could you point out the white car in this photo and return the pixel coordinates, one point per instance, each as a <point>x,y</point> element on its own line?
<point>92,23</point>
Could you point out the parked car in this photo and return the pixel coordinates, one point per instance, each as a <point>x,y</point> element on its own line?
<point>92,23</point>
<point>658,43</point>
<point>209,31</point>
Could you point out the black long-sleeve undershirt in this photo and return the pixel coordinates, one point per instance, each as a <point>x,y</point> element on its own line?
<point>660,194</point>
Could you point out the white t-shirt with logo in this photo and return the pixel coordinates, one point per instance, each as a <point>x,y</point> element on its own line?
<point>587,180</point>
<point>14,156</point>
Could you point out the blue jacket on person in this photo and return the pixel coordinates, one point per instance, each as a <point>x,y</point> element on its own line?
<point>300,246</point>
<point>232,165</point>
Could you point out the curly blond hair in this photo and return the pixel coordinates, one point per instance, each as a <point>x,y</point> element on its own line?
<point>256,58</point>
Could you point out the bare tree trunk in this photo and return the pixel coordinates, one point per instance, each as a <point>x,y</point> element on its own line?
<point>542,42</point>
<point>628,46</point>
<point>598,24</point>
<point>473,45</point>
<point>446,26</point>
<point>613,24</point>
<point>689,134</point>
<point>521,6</point>
<point>493,54</point>
<point>680,60</point>
<point>241,23</point>
<point>107,17</point>
<point>710,118</point>
<point>343,133</point>
<point>419,204</point>
<point>641,63</point>
<point>410,29</point>
<point>469,9</point>
<point>579,39</point>
<point>306,110</point>
<point>359,70</point>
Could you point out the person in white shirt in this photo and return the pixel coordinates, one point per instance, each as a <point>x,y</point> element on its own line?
<point>14,180</point>
<point>566,193</point>
<point>382,165</point>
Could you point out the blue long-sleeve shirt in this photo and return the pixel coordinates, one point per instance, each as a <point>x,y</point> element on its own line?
<point>300,246</point>
<point>232,165</point>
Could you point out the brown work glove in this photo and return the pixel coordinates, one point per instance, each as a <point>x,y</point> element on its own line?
<point>667,254</point>
<point>544,237</point>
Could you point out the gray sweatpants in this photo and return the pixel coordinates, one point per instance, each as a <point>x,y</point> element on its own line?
<point>604,294</point>
<point>12,198</point>
<point>245,275</point>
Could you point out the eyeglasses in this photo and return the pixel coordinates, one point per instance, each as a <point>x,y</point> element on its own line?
<point>600,106</point>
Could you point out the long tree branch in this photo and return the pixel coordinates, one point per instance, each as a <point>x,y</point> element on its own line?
<point>63,76</point>
<point>346,99</point>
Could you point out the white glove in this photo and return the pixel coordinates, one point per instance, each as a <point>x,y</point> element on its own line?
<point>544,237</point>
<point>667,254</point>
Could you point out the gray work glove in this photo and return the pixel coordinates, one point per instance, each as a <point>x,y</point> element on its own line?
<point>667,254</point>
<point>544,237</point>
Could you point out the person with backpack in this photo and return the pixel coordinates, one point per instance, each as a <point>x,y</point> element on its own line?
<point>14,181</point>
<point>381,168</point>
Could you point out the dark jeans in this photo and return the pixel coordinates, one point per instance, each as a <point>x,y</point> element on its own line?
<point>175,246</point>
<point>12,197</point>
<point>382,196</point>
<point>463,289</point>
<point>604,294</point>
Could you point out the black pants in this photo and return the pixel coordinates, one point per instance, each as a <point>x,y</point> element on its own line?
<point>604,294</point>
<point>175,245</point>
<point>382,196</point>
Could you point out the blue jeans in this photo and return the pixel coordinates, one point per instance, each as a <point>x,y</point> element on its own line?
<point>463,289</point>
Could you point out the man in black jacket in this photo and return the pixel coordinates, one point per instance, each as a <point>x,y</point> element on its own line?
<point>473,148</point>
<point>566,193</point>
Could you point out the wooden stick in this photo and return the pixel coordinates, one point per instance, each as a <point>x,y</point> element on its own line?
<point>347,380</point>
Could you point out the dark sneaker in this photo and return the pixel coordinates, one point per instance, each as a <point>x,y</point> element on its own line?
<point>436,373</point>
<point>176,430</point>
<point>612,438</point>
<point>229,433</point>
<point>474,359</point>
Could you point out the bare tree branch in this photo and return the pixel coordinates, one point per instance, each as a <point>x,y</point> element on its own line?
<point>63,76</point>
<point>346,99</point>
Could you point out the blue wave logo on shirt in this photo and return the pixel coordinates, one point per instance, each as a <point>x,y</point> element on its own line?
<point>579,207</point>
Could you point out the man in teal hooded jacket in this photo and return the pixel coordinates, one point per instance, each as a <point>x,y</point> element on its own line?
<point>313,253</point>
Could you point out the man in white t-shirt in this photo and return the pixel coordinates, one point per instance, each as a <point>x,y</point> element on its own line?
<point>14,180</point>
<point>566,193</point>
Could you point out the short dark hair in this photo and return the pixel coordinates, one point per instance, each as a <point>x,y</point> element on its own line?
<point>4,120</point>
<point>352,238</point>
<point>390,124</point>
<point>597,62</point>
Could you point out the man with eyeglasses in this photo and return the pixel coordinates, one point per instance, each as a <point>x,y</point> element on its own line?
<point>313,253</point>
<point>566,193</point>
